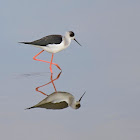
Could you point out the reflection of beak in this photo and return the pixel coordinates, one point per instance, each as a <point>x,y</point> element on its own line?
<point>82,96</point>
<point>77,42</point>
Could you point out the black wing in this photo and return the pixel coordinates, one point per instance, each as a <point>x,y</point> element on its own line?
<point>51,39</point>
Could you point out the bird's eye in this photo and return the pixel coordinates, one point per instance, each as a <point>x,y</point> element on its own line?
<point>71,34</point>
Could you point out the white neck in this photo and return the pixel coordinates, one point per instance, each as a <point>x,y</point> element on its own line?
<point>67,41</point>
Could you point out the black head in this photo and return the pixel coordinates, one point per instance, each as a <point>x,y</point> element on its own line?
<point>71,34</point>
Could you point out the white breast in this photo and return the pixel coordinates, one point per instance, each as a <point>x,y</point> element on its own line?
<point>54,48</point>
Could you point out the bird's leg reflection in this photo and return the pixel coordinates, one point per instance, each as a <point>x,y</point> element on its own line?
<point>52,81</point>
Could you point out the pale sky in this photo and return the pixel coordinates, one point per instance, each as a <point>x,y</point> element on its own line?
<point>107,67</point>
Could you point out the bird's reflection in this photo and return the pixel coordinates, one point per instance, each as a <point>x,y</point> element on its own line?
<point>58,99</point>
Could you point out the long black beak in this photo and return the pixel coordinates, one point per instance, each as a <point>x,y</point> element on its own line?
<point>82,96</point>
<point>77,42</point>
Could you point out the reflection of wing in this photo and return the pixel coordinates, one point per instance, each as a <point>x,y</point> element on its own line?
<point>50,105</point>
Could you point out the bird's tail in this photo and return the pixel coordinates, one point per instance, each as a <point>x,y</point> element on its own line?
<point>25,42</point>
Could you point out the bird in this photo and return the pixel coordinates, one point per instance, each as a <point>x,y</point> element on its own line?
<point>53,44</point>
<point>59,100</point>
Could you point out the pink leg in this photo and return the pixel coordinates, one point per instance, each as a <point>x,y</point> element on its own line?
<point>45,61</point>
<point>51,64</point>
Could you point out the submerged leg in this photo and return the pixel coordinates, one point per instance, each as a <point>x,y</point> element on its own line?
<point>44,60</point>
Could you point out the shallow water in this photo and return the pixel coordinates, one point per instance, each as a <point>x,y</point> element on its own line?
<point>107,67</point>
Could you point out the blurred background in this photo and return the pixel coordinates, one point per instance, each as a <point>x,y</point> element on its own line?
<point>107,67</point>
